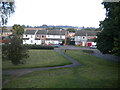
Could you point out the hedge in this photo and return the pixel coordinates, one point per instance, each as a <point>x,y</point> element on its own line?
<point>39,47</point>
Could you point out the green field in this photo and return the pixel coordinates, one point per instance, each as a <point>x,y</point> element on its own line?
<point>94,73</point>
<point>39,58</point>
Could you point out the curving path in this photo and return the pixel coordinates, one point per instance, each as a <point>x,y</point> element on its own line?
<point>19,72</point>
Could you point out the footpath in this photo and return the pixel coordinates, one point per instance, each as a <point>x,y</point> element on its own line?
<point>19,72</point>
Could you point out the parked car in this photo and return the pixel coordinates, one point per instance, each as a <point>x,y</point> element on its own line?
<point>56,45</point>
<point>93,46</point>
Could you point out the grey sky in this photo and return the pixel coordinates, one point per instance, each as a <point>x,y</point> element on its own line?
<point>86,13</point>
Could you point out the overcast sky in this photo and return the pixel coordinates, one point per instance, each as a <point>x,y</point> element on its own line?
<point>86,13</point>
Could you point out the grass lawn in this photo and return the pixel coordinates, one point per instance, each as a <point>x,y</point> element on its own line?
<point>94,73</point>
<point>39,58</point>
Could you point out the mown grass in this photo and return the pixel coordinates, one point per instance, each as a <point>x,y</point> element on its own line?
<point>94,73</point>
<point>39,58</point>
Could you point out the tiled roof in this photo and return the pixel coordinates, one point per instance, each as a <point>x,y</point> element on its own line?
<point>56,32</point>
<point>84,33</point>
<point>30,32</point>
<point>5,31</point>
<point>43,32</point>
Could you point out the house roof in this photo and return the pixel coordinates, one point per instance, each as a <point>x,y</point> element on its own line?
<point>56,32</point>
<point>54,39</point>
<point>84,33</point>
<point>30,32</point>
<point>5,31</point>
<point>43,32</point>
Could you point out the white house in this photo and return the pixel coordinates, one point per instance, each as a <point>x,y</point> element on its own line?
<point>44,36</point>
<point>85,38</point>
<point>55,36</point>
<point>29,37</point>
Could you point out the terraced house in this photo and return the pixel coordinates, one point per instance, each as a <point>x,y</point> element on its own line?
<point>85,38</point>
<point>39,37</point>
<point>4,35</point>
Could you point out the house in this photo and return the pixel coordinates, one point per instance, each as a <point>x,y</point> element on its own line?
<point>4,35</point>
<point>55,36</point>
<point>40,37</point>
<point>44,36</point>
<point>29,37</point>
<point>85,38</point>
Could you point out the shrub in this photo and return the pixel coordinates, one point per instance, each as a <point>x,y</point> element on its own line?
<point>14,51</point>
<point>39,47</point>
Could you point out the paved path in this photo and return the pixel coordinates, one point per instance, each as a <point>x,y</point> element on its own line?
<point>20,72</point>
<point>96,53</point>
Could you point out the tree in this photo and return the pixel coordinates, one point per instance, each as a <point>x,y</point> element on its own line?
<point>17,30</point>
<point>6,9</point>
<point>108,39</point>
<point>14,51</point>
<point>71,29</point>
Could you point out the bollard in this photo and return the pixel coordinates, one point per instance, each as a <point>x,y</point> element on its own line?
<point>65,50</point>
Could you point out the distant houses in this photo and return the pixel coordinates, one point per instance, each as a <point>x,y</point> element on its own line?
<point>4,34</point>
<point>39,37</point>
<point>85,38</point>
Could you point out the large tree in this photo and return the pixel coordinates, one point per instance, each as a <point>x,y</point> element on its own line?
<point>108,40</point>
<point>15,51</point>
<point>17,30</point>
<point>6,9</point>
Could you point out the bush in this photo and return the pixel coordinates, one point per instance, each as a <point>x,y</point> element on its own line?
<point>14,51</point>
<point>39,47</point>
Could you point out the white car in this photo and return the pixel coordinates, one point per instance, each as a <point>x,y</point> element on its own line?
<point>93,46</point>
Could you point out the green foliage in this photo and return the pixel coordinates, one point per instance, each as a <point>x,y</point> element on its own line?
<point>14,51</point>
<point>69,41</point>
<point>116,49</point>
<point>17,30</point>
<point>88,28</point>
<point>71,29</point>
<point>110,29</point>
<point>6,9</point>
<point>63,41</point>
<point>39,47</point>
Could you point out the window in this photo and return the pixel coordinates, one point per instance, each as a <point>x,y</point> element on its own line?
<point>83,37</point>
<point>31,41</point>
<point>26,35</point>
<point>31,36</point>
<point>42,36</point>
<point>60,36</point>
